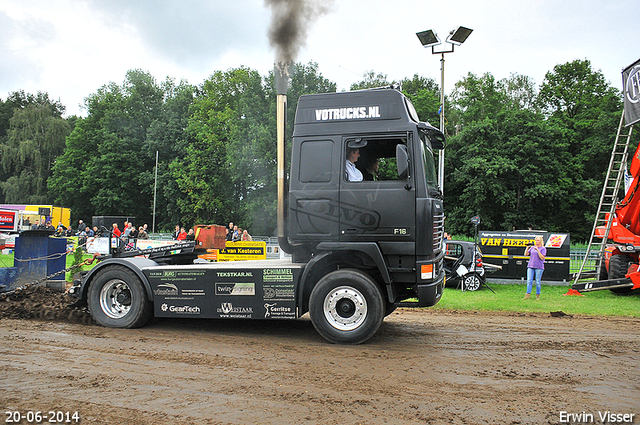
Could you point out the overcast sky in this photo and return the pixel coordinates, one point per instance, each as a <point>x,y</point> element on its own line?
<point>70,48</point>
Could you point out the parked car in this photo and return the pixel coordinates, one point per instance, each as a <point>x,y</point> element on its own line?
<point>460,268</point>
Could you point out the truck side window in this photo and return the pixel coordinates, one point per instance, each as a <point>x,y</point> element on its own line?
<point>315,161</point>
<point>377,160</point>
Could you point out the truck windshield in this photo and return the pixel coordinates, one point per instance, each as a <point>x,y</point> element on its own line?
<point>429,162</point>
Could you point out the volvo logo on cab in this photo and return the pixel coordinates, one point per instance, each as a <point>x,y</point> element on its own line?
<point>341,212</point>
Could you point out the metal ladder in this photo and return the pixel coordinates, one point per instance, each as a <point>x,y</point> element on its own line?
<point>608,201</point>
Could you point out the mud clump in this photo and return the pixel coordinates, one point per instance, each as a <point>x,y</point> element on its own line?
<point>42,303</point>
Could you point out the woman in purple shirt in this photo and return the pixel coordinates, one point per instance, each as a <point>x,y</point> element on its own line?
<point>535,267</point>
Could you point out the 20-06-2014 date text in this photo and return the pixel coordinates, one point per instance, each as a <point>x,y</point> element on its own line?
<point>40,417</point>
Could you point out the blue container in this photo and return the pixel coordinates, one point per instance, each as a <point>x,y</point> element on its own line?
<point>38,255</point>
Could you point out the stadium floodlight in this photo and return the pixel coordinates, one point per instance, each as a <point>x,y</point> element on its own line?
<point>459,35</point>
<point>428,38</point>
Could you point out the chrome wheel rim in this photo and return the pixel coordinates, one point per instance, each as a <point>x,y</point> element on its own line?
<point>115,299</point>
<point>345,308</point>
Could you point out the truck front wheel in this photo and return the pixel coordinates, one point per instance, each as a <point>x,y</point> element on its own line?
<point>117,299</point>
<point>346,306</point>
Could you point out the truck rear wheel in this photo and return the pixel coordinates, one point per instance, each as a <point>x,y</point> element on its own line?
<point>346,306</point>
<point>117,299</point>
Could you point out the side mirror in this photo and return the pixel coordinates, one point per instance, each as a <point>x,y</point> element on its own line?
<point>435,136</point>
<point>402,161</point>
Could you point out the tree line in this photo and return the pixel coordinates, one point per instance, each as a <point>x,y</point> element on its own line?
<point>518,155</point>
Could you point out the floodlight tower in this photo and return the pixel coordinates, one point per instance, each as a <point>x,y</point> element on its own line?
<point>430,39</point>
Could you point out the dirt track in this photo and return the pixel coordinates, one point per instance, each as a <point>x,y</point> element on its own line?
<point>423,367</point>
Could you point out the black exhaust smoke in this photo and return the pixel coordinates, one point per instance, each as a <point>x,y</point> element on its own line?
<point>290,21</point>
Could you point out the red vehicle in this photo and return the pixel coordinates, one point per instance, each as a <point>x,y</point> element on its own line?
<point>619,271</point>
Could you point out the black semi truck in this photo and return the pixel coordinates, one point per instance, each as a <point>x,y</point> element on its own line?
<point>358,248</point>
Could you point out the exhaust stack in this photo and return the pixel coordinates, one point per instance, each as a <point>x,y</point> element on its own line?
<point>281,72</point>
<point>290,21</point>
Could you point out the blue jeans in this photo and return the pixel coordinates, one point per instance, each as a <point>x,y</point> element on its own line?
<point>531,273</point>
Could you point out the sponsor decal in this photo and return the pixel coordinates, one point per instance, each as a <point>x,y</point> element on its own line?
<point>277,275</point>
<point>505,242</point>
<point>193,292</point>
<point>184,309</point>
<point>631,90</point>
<point>243,250</point>
<point>235,274</point>
<point>555,241</point>
<point>176,275</point>
<point>242,288</point>
<point>166,289</point>
<point>274,310</point>
<point>229,310</point>
<point>358,112</point>
<point>278,292</point>
<point>7,220</point>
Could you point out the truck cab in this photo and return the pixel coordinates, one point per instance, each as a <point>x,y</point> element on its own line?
<point>390,225</point>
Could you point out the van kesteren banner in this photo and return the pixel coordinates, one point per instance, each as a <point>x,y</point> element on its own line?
<point>631,90</point>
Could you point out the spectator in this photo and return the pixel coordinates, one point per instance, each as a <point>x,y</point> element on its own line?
<point>133,232</point>
<point>535,267</point>
<point>116,232</point>
<point>127,230</point>
<point>35,225</point>
<point>61,229</point>
<point>190,235</point>
<point>182,235</point>
<point>142,233</point>
<point>81,226</point>
<point>246,236</point>
<point>236,234</point>
<point>82,238</point>
<point>230,232</point>
<point>69,232</point>
<point>176,233</point>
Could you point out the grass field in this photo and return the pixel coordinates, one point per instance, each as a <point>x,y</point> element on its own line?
<point>509,298</point>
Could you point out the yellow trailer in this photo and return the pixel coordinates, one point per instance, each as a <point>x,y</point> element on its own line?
<point>30,213</point>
